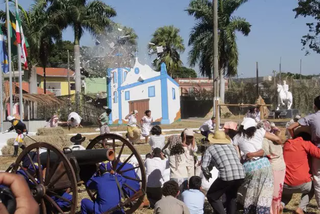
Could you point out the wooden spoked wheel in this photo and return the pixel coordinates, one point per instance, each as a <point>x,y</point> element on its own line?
<point>49,181</point>
<point>124,152</point>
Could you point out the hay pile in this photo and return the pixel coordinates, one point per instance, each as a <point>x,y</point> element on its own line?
<point>50,131</point>
<point>54,136</point>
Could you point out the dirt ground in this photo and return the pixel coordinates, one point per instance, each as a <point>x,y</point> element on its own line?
<point>144,148</point>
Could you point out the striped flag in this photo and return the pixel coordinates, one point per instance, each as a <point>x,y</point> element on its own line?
<point>21,40</point>
<point>3,54</point>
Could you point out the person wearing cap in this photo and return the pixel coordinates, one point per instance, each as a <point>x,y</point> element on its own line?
<point>180,150</point>
<point>108,193</point>
<point>257,189</point>
<point>104,121</point>
<point>275,155</point>
<point>222,155</point>
<point>155,168</point>
<point>77,141</point>
<point>207,127</point>
<point>20,129</point>
<point>298,178</point>
<point>74,120</point>
<point>312,121</point>
<point>134,132</point>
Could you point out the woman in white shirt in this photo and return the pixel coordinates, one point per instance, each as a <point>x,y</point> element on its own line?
<point>134,132</point>
<point>156,139</point>
<point>146,125</point>
<point>257,189</point>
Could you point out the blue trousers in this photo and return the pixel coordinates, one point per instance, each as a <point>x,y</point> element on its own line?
<point>87,206</point>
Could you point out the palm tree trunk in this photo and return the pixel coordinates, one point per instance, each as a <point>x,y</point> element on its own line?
<point>77,73</point>
<point>222,86</point>
<point>33,80</point>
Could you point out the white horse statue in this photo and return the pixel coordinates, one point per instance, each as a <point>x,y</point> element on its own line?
<point>284,97</point>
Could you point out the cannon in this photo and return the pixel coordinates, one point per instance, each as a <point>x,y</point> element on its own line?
<point>52,172</point>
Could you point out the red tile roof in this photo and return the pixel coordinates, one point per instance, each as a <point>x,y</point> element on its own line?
<point>25,88</point>
<point>55,72</point>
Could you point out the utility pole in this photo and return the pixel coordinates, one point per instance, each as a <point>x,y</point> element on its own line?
<point>215,61</point>
<point>68,75</point>
<point>257,75</point>
<point>300,70</point>
<point>280,72</point>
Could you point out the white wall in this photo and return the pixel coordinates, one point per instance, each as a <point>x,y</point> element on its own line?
<point>173,105</point>
<point>141,93</point>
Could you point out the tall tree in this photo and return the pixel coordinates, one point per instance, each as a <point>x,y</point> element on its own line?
<point>310,8</point>
<point>92,16</point>
<point>201,37</point>
<point>42,31</point>
<point>168,37</point>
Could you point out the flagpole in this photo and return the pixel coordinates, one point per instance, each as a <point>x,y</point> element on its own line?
<point>20,70</point>
<point>1,98</point>
<point>9,57</point>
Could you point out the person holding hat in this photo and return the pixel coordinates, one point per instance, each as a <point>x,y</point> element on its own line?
<point>155,168</point>
<point>257,189</point>
<point>222,155</point>
<point>133,131</point>
<point>104,121</point>
<point>77,140</point>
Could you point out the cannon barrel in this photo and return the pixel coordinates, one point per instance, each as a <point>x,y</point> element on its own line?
<point>83,157</point>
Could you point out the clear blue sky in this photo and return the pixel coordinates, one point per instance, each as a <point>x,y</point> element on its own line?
<point>275,32</point>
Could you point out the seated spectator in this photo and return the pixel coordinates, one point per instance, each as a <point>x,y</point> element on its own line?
<point>193,197</point>
<point>155,168</point>
<point>108,193</point>
<point>298,178</point>
<point>77,140</point>
<point>169,203</point>
<point>157,139</point>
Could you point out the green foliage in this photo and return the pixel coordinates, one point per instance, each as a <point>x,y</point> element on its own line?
<point>295,76</point>
<point>59,54</point>
<point>168,37</point>
<point>184,72</point>
<point>201,36</point>
<point>310,8</point>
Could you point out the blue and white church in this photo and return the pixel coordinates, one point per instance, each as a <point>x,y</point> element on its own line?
<point>141,88</point>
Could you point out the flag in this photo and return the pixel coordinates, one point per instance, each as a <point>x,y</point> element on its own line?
<point>3,54</point>
<point>17,37</point>
<point>21,40</point>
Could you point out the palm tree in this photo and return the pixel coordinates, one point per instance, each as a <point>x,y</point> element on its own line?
<point>168,37</point>
<point>93,16</point>
<point>42,31</point>
<point>201,37</point>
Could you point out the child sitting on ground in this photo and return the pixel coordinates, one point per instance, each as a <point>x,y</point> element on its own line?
<point>193,197</point>
<point>169,203</point>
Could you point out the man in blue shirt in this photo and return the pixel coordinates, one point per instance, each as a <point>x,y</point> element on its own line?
<point>108,193</point>
<point>193,197</point>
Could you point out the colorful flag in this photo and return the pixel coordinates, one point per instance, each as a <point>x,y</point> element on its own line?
<point>3,54</point>
<point>17,37</point>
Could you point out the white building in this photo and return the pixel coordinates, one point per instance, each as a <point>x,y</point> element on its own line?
<point>141,88</point>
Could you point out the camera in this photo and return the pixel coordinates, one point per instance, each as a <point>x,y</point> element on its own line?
<point>8,199</point>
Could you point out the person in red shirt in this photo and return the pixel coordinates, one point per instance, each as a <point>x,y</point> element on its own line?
<point>298,178</point>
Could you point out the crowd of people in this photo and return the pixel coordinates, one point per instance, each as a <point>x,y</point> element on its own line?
<point>242,166</point>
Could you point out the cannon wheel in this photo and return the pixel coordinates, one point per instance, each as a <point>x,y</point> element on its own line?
<point>119,144</point>
<point>50,180</point>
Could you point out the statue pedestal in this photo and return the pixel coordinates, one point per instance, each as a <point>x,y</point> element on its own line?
<point>286,113</point>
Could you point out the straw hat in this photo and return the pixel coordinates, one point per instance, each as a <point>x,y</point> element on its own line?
<point>219,137</point>
<point>301,129</point>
